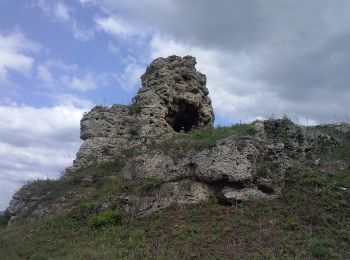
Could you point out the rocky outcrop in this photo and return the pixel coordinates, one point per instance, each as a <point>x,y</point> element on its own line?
<point>33,200</point>
<point>173,98</point>
<point>237,168</point>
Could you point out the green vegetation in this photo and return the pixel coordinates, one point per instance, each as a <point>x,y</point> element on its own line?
<point>201,139</point>
<point>310,220</point>
<point>4,219</point>
<point>342,152</point>
<point>147,185</point>
<point>269,169</point>
<point>106,218</point>
<point>104,177</point>
<point>134,109</point>
<point>134,131</point>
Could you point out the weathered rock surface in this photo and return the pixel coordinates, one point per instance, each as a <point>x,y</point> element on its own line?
<point>169,193</point>
<point>32,201</point>
<point>237,168</point>
<point>173,98</point>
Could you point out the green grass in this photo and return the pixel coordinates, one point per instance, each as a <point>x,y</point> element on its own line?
<point>310,220</point>
<point>201,139</point>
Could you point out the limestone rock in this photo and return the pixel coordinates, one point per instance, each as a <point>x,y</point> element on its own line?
<point>233,195</point>
<point>233,159</point>
<point>169,193</point>
<point>25,199</point>
<point>235,169</point>
<point>173,98</point>
<point>341,127</point>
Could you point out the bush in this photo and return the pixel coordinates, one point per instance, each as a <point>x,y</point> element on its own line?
<point>105,218</point>
<point>134,131</point>
<point>291,224</point>
<point>79,213</point>
<point>134,109</point>
<point>4,219</point>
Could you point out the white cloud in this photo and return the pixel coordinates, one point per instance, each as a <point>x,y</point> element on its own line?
<point>130,78</point>
<point>88,2</point>
<point>14,56</point>
<point>44,75</point>
<point>113,48</point>
<point>238,95</point>
<point>55,9</point>
<point>60,76</point>
<point>114,25</point>
<point>69,100</point>
<point>60,12</point>
<point>88,81</point>
<point>62,65</point>
<point>36,143</point>
<point>81,33</point>
<point>82,84</point>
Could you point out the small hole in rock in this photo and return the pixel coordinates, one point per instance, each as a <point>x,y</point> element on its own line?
<point>227,202</point>
<point>266,189</point>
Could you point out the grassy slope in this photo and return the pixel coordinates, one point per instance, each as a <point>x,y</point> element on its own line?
<point>311,219</point>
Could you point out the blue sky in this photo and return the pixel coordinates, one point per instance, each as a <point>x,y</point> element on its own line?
<point>59,58</point>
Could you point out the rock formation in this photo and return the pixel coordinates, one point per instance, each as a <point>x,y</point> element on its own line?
<point>173,98</point>
<point>235,169</point>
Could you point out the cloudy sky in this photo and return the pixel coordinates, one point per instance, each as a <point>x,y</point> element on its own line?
<point>60,58</point>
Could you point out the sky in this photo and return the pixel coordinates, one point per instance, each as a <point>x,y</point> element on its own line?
<point>60,58</point>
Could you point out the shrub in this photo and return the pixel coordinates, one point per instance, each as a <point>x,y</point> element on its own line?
<point>79,213</point>
<point>105,218</point>
<point>129,152</point>
<point>291,224</point>
<point>4,219</point>
<point>237,222</point>
<point>134,109</point>
<point>134,131</point>
<point>286,119</point>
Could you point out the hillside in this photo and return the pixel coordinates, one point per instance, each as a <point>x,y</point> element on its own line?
<point>156,180</point>
<point>311,218</point>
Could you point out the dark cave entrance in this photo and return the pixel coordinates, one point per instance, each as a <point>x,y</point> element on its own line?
<point>183,116</point>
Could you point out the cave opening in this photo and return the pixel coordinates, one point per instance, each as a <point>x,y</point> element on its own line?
<point>183,116</point>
